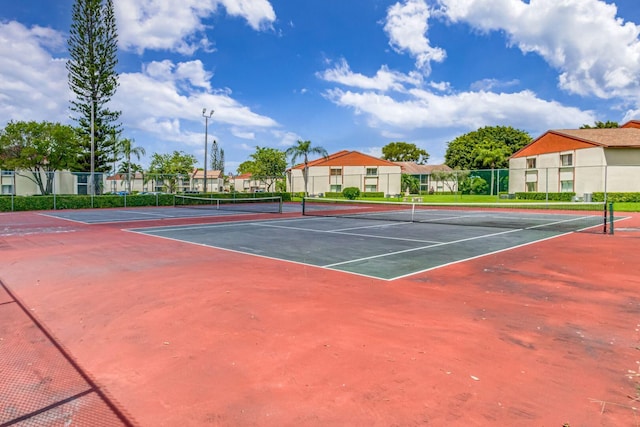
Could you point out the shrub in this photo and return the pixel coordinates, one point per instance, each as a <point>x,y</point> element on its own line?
<point>555,197</point>
<point>351,193</point>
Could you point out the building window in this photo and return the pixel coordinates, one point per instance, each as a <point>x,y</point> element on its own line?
<point>531,163</point>
<point>370,188</point>
<point>83,184</point>
<point>336,172</point>
<point>336,188</point>
<point>532,187</point>
<point>7,173</point>
<point>372,171</point>
<point>566,159</point>
<point>566,186</point>
<point>7,189</point>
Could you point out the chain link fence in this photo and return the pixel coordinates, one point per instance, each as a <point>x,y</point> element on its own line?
<point>542,183</point>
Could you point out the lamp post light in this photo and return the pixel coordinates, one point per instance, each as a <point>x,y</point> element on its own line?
<point>206,143</point>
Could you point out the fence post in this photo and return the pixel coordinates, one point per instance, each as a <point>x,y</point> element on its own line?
<point>53,189</point>
<point>605,184</point>
<point>546,184</point>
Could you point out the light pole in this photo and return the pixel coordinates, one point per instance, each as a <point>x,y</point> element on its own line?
<point>206,143</point>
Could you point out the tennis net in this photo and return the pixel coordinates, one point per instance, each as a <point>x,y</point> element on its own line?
<point>562,217</point>
<point>245,204</point>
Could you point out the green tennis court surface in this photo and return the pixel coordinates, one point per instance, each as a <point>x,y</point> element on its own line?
<point>369,247</point>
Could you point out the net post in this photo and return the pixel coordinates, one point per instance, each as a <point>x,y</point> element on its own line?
<point>610,217</point>
<point>174,200</point>
<point>303,206</point>
<point>280,205</point>
<point>413,211</point>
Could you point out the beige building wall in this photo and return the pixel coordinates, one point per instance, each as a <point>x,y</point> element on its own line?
<point>325,179</point>
<point>593,170</point>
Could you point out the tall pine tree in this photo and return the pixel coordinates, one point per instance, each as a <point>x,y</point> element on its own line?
<point>217,157</point>
<point>93,46</point>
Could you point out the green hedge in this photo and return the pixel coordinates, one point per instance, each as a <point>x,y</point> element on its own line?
<point>617,197</point>
<point>595,197</point>
<point>36,203</point>
<point>556,197</point>
<point>333,195</point>
<point>372,194</point>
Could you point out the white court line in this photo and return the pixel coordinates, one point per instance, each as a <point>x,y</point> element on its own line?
<point>311,230</point>
<point>420,248</point>
<point>475,257</point>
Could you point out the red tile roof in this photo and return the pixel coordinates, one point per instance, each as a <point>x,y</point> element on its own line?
<point>574,139</point>
<point>347,158</point>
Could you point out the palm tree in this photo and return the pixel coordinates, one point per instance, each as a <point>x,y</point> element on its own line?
<point>126,148</point>
<point>303,149</point>
<point>129,170</point>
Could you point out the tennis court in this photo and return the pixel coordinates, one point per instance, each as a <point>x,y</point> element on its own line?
<point>388,240</point>
<point>391,316</point>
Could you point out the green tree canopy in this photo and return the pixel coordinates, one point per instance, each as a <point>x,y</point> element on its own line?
<point>404,152</point>
<point>266,165</point>
<point>411,183</point>
<point>40,148</point>
<point>171,167</point>
<point>93,45</point>
<point>601,125</point>
<point>460,151</point>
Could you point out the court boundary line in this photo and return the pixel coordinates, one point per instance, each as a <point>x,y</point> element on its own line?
<point>251,254</point>
<point>340,231</point>
<point>331,267</point>
<point>167,217</point>
<point>424,247</point>
<point>483,255</point>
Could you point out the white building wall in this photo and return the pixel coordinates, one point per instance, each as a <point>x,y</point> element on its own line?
<point>593,170</point>
<point>387,179</point>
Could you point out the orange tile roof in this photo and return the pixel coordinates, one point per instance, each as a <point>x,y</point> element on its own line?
<point>243,176</point>
<point>347,158</point>
<point>573,139</point>
<point>612,137</point>
<point>631,124</point>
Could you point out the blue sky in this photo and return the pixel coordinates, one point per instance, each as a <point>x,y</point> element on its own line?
<point>353,74</point>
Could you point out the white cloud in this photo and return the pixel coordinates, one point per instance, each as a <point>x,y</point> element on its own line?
<point>177,24</point>
<point>407,27</point>
<point>491,84</point>
<point>384,80</point>
<point>243,134</point>
<point>595,52</point>
<point>168,93</point>
<point>258,13</point>
<point>286,139</point>
<point>469,110</point>
<point>33,84</point>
